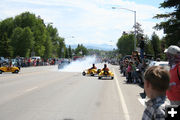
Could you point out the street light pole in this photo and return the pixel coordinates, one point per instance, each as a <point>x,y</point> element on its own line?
<point>134,22</point>
<point>134,30</point>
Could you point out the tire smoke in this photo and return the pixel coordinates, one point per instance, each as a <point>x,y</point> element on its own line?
<point>80,65</point>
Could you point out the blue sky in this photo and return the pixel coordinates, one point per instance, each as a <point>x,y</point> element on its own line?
<point>154,3</point>
<point>89,21</point>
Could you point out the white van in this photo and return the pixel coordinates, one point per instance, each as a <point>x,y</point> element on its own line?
<point>36,57</point>
<point>160,63</point>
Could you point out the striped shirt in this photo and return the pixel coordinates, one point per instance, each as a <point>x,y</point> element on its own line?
<point>155,108</point>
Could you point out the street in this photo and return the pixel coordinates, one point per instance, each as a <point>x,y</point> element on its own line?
<point>44,93</point>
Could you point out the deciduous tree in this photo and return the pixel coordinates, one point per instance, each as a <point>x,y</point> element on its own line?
<point>125,44</point>
<point>5,47</point>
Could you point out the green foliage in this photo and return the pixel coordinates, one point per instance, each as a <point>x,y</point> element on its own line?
<point>55,39</point>
<point>5,48</point>
<point>48,48</point>
<point>125,44</point>
<point>81,50</point>
<point>16,41</point>
<point>114,54</point>
<point>95,51</point>
<point>28,41</point>
<point>70,51</point>
<point>26,34</point>
<point>7,26</point>
<point>22,41</point>
<point>66,53</point>
<point>40,38</point>
<point>155,41</point>
<point>25,19</point>
<point>170,3</point>
<point>139,32</point>
<point>61,47</point>
<point>171,25</point>
<point>148,46</point>
<point>53,34</point>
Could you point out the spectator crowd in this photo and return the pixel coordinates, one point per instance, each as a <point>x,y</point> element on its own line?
<point>161,86</point>
<point>133,67</point>
<point>27,62</point>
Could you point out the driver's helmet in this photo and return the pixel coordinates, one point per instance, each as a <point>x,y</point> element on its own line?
<point>105,66</point>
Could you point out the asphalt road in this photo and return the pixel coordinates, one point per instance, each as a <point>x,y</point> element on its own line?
<point>44,93</point>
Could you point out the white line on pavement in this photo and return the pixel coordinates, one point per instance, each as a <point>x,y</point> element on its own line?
<point>124,106</point>
<point>17,94</point>
<point>142,101</point>
<point>31,89</point>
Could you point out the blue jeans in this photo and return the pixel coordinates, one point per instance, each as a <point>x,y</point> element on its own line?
<point>142,53</point>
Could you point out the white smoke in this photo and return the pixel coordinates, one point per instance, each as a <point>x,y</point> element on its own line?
<point>80,65</point>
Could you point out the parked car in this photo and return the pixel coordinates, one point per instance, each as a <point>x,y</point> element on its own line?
<point>35,58</point>
<point>14,62</point>
<point>3,60</point>
<point>160,63</point>
<point>63,63</point>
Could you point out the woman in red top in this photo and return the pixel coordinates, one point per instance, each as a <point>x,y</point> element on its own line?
<point>173,94</point>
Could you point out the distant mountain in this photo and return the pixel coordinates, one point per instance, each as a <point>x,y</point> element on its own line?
<point>105,47</point>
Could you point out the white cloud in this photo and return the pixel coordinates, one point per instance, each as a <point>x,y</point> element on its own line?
<point>89,21</point>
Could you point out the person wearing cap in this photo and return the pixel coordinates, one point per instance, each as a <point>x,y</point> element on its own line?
<point>173,93</point>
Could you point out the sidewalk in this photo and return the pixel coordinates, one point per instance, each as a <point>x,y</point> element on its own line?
<point>38,68</point>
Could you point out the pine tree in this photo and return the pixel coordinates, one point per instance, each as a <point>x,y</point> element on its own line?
<point>155,41</point>
<point>171,26</point>
<point>70,51</point>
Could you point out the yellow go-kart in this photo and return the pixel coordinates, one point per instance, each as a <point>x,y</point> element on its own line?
<point>91,72</point>
<point>9,69</point>
<point>106,74</point>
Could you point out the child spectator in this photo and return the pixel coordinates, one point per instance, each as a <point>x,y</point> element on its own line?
<point>125,65</point>
<point>139,72</point>
<point>134,75</point>
<point>29,62</point>
<point>37,62</point>
<point>156,82</point>
<point>129,70</point>
<point>34,62</point>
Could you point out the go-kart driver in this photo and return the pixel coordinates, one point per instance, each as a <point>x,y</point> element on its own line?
<point>9,65</point>
<point>105,73</point>
<point>93,67</point>
<point>105,68</point>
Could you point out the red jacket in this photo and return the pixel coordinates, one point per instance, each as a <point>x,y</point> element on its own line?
<point>173,93</point>
<point>105,69</point>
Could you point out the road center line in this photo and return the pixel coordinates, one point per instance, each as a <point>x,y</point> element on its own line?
<point>31,89</point>
<point>123,103</point>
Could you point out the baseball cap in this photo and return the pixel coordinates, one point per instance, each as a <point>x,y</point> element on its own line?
<point>173,49</point>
